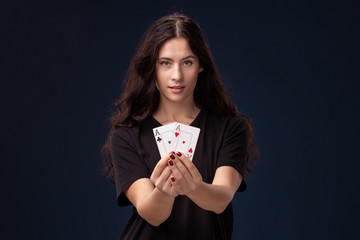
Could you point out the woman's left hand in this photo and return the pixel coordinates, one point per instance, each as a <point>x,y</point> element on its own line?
<point>185,175</point>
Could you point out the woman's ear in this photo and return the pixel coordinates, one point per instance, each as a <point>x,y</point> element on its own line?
<point>201,69</point>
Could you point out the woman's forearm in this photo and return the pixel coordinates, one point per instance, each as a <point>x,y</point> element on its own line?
<point>212,197</point>
<point>156,207</point>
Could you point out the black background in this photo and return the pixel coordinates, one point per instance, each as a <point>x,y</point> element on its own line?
<point>292,66</point>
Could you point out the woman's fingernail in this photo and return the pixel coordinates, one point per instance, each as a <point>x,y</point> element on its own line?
<point>171,162</point>
<point>172,156</point>
<point>172,152</point>
<point>172,179</point>
<point>179,154</point>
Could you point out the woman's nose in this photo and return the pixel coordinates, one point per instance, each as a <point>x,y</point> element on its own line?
<point>176,73</point>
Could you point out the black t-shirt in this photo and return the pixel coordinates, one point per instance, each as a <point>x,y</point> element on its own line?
<point>223,141</point>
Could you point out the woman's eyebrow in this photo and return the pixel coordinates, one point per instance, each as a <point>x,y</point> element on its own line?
<point>166,58</point>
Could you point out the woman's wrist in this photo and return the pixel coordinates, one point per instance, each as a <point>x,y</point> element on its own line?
<point>198,190</point>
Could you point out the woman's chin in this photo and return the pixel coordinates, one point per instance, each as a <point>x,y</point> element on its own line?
<point>176,99</point>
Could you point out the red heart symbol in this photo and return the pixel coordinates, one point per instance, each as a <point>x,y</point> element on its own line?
<point>190,150</point>
<point>176,134</point>
<point>183,142</point>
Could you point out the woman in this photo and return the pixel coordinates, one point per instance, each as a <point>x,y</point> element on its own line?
<point>173,78</point>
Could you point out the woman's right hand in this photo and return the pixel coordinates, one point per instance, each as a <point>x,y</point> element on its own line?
<point>161,177</point>
<point>154,204</point>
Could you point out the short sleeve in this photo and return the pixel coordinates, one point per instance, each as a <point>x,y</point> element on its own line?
<point>128,165</point>
<point>234,149</point>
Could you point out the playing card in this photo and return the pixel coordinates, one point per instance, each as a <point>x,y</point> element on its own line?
<point>185,139</point>
<point>164,138</point>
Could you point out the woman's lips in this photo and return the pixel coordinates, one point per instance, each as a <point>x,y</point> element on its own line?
<point>177,89</point>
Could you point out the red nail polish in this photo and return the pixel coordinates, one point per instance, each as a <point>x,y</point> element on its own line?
<point>172,156</point>
<point>172,152</point>
<point>179,154</point>
<point>172,179</point>
<point>171,162</point>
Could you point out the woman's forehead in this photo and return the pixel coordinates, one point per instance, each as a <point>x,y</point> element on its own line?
<point>175,48</point>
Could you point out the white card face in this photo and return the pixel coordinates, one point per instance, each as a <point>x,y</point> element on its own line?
<point>164,138</point>
<point>185,139</point>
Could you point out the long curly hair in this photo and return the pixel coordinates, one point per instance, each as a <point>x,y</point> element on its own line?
<point>140,97</point>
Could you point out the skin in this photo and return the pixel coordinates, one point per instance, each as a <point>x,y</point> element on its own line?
<point>177,65</point>
<point>175,174</point>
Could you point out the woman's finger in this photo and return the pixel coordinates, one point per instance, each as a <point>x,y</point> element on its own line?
<point>179,178</point>
<point>175,186</point>
<point>162,179</point>
<point>160,166</point>
<point>169,189</point>
<point>188,164</point>
<point>182,168</point>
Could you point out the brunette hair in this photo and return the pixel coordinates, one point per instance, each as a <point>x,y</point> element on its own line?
<point>140,97</point>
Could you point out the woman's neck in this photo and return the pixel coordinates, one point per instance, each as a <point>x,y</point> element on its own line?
<point>176,112</point>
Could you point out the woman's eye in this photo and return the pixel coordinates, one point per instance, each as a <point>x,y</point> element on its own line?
<point>188,63</point>
<point>165,63</point>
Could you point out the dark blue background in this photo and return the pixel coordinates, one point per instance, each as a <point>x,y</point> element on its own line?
<point>292,66</point>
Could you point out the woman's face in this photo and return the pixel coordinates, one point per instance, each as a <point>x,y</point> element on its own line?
<point>177,70</point>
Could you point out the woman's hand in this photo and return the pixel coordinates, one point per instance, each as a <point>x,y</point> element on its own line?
<point>160,177</point>
<point>185,176</point>
<point>186,180</point>
<point>154,198</point>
